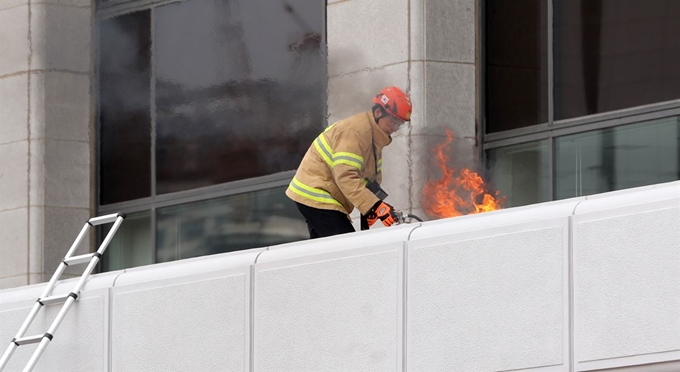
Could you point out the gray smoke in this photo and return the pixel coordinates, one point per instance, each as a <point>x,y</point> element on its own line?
<point>350,92</point>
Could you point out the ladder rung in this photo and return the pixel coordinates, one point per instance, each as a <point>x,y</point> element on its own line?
<point>80,259</point>
<point>31,339</point>
<point>105,219</point>
<point>57,299</point>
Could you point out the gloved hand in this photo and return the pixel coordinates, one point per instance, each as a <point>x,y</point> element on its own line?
<point>384,212</point>
<point>371,217</point>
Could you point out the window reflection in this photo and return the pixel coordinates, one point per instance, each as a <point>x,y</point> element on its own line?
<point>240,89</point>
<point>618,158</point>
<point>516,64</point>
<point>125,108</point>
<point>131,246</point>
<point>611,55</point>
<point>520,172</point>
<point>242,221</point>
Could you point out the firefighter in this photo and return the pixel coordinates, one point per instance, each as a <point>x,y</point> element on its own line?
<point>342,168</point>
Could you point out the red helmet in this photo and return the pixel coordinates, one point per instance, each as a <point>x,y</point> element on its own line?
<point>395,102</point>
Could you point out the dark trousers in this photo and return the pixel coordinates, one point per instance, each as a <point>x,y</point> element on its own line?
<point>323,222</point>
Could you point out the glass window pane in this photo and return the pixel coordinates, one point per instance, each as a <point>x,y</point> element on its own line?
<point>611,55</point>
<point>235,222</point>
<point>516,64</point>
<point>520,172</point>
<point>241,89</point>
<point>618,158</point>
<point>131,246</point>
<point>124,108</point>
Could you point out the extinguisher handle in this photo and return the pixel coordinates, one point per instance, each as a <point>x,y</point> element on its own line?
<point>403,217</point>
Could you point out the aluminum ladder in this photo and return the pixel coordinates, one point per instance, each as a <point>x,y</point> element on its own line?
<point>66,299</point>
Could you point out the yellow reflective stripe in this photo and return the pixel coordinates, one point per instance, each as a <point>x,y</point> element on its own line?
<point>347,162</point>
<point>329,149</point>
<point>349,159</point>
<point>379,165</point>
<point>312,193</point>
<point>350,155</point>
<point>324,150</point>
<point>333,159</point>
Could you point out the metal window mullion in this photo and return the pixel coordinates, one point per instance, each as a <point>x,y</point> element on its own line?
<point>128,207</point>
<point>551,168</point>
<point>195,198</point>
<point>209,192</point>
<point>152,103</point>
<point>519,132</point>
<point>154,221</point>
<point>596,121</point>
<point>551,101</point>
<point>551,65</point>
<point>152,106</point>
<point>115,9</point>
<point>517,140</point>
<point>614,122</point>
<point>619,114</point>
<point>178,236</point>
<point>542,131</point>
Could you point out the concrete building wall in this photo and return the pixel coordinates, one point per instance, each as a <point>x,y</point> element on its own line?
<point>583,284</point>
<point>45,134</point>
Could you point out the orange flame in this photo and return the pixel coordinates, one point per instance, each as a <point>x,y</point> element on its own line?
<point>459,195</point>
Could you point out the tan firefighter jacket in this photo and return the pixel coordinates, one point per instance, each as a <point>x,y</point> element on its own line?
<point>333,173</point>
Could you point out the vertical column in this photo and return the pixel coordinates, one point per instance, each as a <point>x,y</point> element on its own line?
<point>445,79</point>
<point>368,49</point>
<point>61,122</point>
<point>46,140</point>
<point>14,142</point>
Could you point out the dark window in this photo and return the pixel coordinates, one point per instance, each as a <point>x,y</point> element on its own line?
<point>240,89</point>
<point>611,55</point>
<point>131,246</point>
<point>124,111</point>
<point>520,172</point>
<point>617,158</point>
<point>516,64</point>
<point>255,219</point>
<point>608,55</point>
<point>199,93</point>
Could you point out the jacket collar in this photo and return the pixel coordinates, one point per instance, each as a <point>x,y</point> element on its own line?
<point>380,137</point>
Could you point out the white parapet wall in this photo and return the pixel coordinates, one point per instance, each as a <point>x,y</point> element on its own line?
<point>584,284</point>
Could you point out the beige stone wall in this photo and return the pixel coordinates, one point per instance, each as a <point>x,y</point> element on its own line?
<point>45,134</point>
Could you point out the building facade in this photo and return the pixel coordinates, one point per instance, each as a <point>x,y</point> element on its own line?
<point>191,116</point>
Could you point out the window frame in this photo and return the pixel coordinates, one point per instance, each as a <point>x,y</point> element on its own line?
<point>112,8</point>
<point>557,128</point>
